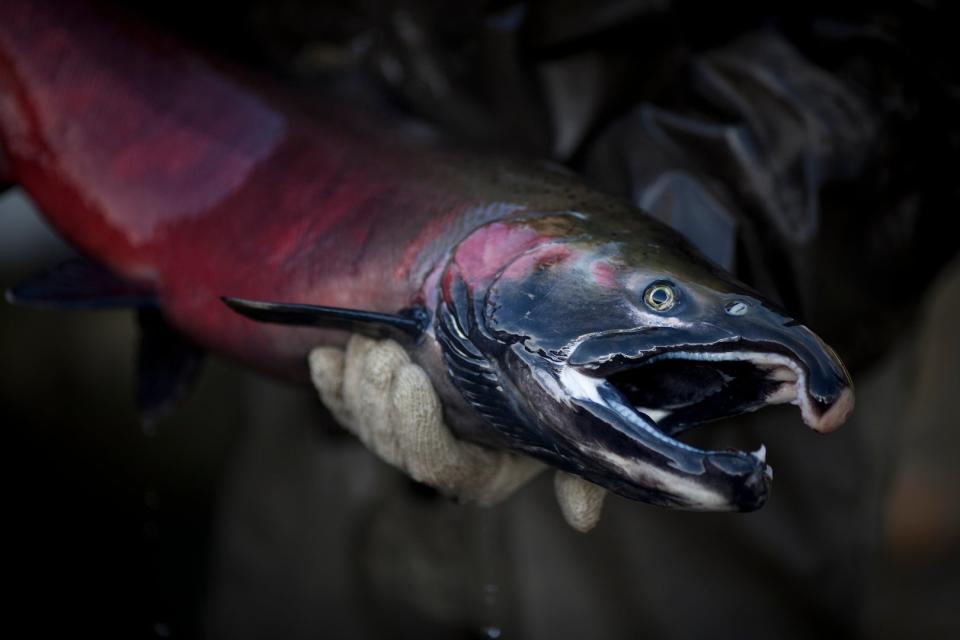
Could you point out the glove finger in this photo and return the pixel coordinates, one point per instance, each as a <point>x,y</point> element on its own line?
<point>353,359</point>
<point>580,501</point>
<point>434,456</point>
<point>380,364</point>
<point>326,373</point>
<point>511,471</point>
<point>431,453</point>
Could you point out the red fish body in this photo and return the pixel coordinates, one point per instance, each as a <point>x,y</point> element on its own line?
<point>170,172</point>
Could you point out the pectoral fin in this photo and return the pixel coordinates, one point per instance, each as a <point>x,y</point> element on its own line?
<point>409,322</point>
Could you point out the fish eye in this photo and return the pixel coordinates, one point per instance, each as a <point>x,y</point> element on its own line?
<point>660,296</point>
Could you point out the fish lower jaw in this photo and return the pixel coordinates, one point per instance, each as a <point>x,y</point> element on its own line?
<point>586,388</point>
<point>683,476</point>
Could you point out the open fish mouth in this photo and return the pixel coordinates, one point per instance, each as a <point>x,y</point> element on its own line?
<point>683,389</point>
<point>657,395</point>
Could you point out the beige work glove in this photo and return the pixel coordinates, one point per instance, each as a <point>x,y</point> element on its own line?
<point>388,402</point>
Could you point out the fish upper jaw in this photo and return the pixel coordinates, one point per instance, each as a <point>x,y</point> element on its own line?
<point>820,415</point>
<point>775,360</point>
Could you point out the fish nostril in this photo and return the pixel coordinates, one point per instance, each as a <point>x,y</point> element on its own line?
<point>736,308</point>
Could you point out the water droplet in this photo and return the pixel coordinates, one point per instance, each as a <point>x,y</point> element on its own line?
<point>492,632</point>
<point>161,630</point>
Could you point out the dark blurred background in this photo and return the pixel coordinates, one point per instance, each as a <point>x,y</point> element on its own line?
<point>815,152</point>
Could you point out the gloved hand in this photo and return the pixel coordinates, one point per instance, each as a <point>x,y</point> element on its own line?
<point>388,402</point>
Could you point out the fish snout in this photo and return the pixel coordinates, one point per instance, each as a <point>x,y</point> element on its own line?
<point>823,386</point>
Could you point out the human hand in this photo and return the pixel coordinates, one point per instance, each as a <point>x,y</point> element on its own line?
<point>375,391</point>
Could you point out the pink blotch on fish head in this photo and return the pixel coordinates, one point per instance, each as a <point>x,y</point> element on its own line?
<point>543,257</point>
<point>488,249</point>
<point>605,274</point>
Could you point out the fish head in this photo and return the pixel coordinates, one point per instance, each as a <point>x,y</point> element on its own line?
<point>591,342</point>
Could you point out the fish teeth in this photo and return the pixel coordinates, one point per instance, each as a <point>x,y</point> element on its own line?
<point>760,454</point>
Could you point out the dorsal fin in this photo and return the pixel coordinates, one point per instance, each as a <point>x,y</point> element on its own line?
<point>411,321</point>
<point>80,284</point>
